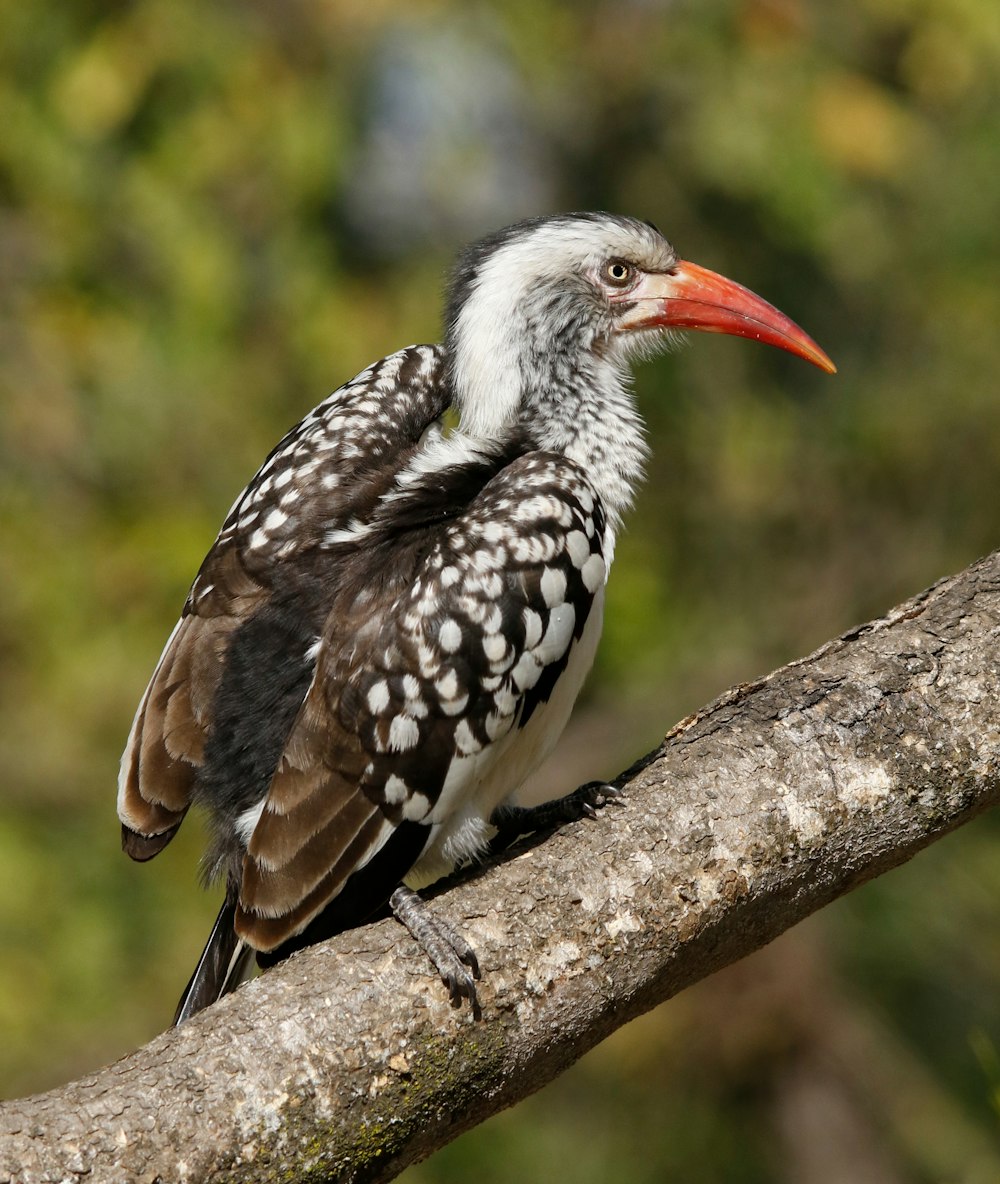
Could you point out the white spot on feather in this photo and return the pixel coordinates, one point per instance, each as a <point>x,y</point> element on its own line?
<point>416,806</point>
<point>558,634</point>
<point>396,790</point>
<point>532,628</point>
<point>455,706</point>
<point>553,585</point>
<point>593,573</point>
<point>495,647</point>
<point>577,547</point>
<point>450,635</point>
<point>465,739</point>
<point>526,672</point>
<point>404,733</point>
<point>493,532</point>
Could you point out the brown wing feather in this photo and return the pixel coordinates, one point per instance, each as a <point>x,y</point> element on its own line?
<point>311,484</point>
<point>316,827</point>
<point>269,932</point>
<point>167,742</point>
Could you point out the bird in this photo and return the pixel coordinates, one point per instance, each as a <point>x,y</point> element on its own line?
<point>390,630</point>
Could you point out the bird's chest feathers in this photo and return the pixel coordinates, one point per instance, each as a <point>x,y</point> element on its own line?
<point>476,784</point>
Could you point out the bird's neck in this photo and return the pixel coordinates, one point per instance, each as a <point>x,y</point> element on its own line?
<point>589,415</point>
<point>584,410</point>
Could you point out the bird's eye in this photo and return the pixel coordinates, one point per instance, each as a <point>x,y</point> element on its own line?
<point>618,273</point>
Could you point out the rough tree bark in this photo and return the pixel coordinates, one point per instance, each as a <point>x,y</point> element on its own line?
<point>346,1063</point>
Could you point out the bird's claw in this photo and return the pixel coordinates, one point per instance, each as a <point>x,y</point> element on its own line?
<point>461,982</point>
<point>513,821</point>
<point>589,798</point>
<point>454,959</point>
<point>458,967</point>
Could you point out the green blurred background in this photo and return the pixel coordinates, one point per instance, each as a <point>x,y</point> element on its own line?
<point>211,214</point>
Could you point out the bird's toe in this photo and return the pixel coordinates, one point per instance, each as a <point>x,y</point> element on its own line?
<point>453,957</point>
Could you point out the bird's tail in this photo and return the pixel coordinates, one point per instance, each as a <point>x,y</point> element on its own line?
<point>223,965</point>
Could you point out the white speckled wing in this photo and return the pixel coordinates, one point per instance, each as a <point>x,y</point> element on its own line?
<point>433,706</point>
<point>232,676</point>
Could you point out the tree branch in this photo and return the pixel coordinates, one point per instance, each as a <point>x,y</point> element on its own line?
<point>346,1062</point>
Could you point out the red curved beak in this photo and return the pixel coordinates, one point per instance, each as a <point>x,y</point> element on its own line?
<point>692,297</point>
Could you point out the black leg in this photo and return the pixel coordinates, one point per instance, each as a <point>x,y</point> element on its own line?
<point>513,821</point>
<point>451,954</point>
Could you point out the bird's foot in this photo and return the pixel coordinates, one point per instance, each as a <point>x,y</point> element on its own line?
<point>513,821</point>
<point>453,957</point>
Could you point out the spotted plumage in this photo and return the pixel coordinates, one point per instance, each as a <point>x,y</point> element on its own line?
<point>390,631</point>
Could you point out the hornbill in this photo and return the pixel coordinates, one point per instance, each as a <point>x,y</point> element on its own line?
<point>391,628</point>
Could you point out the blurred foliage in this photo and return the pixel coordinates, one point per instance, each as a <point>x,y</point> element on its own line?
<point>210,215</point>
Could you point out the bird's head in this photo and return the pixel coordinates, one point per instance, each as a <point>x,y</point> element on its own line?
<point>547,299</point>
